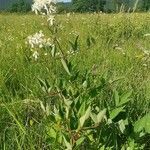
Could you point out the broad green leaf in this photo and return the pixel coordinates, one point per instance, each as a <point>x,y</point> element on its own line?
<point>102,148</point>
<point>67,144</point>
<point>80,141</point>
<point>93,117</point>
<point>143,123</point>
<point>84,117</point>
<point>64,63</point>
<point>116,96</point>
<point>52,133</point>
<point>91,138</point>
<point>84,84</point>
<point>60,138</point>
<point>121,125</point>
<point>101,115</point>
<point>125,98</point>
<point>74,45</point>
<point>67,102</point>
<point>114,113</point>
<point>82,109</point>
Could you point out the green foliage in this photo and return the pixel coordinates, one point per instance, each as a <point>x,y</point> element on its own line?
<point>64,7</point>
<point>88,5</point>
<point>146,5</point>
<point>20,6</point>
<point>95,98</point>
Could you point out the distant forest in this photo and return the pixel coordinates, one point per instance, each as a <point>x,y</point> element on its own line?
<point>104,5</point>
<point>81,5</point>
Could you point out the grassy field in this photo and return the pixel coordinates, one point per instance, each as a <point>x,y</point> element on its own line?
<point>112,64</point>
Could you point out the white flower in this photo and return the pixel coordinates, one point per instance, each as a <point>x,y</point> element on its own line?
<point>38,40</point>
<point>42,6</point>
<point>70,52</point>
<point>35,55</point>
<point>51,20</point>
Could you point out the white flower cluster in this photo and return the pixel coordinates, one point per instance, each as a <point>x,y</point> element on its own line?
<point>44,7</point>
<point>35,55</point>
<point>38,40</point>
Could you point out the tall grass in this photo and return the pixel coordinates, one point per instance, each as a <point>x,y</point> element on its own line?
<point>114,49</point>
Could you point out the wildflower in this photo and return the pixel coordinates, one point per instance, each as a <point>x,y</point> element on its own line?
<point>38,40</point>
<point>42,6</point>
<point>51,20</point>
<point>35,55</point>
<point>70,52</point>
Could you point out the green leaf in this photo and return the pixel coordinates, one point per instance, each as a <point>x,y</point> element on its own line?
<point>93,117</point>
<point>85,84</point>
<point>80,141</point>
<point>84,117</point>
<point>125,98</point>
<point>82,109</point>
<point>52,133</point>
<point>67,102</point>
<point>68,145</point>
<point>74,45</point>
<point>121,125</point>
<point>114,113</point>
<point>64,63</point>
<point>102,148</point>
<point>116,95</point>
<point>101,115</point>
<point>143,123</point>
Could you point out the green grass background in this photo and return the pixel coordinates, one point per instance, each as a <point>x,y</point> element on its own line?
<point>117,53</point>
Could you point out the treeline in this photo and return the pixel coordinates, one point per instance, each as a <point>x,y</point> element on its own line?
<point>104,5</point>
<point>88,6</point>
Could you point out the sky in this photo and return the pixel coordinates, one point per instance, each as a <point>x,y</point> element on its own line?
<point>64,0</point>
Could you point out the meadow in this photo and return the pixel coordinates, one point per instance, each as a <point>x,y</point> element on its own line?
<point>98,100</point>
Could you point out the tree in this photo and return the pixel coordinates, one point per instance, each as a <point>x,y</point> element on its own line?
<point>146,5</point>
<point>88,5</point>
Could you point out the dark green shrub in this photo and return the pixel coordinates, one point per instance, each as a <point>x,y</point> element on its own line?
<point>20,6</point>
